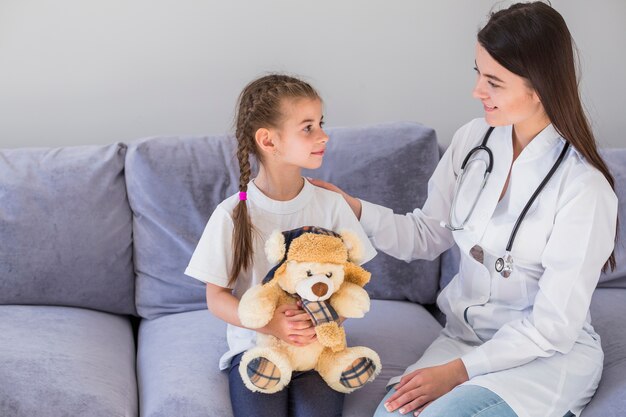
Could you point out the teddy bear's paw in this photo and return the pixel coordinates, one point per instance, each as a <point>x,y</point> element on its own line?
<point>352,301</point>
<point>265,370</point>
<point>358,373</point>
<point>263,374</point>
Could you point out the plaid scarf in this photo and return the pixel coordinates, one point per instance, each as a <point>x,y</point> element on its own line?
<point>319,311</point>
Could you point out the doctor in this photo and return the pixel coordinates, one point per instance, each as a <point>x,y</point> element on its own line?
<point>518,339</point>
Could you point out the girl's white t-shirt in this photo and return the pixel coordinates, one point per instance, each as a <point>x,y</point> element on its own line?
<point>212,258</point>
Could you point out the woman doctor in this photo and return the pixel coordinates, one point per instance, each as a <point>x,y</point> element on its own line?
<point>518,339</point>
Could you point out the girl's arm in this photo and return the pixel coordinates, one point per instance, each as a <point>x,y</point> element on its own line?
<point>290,324</point>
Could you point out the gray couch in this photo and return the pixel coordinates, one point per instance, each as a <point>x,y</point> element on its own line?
<point>98,319</point>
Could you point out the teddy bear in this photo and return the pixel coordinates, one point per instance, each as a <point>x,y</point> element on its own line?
<point>319,268</point>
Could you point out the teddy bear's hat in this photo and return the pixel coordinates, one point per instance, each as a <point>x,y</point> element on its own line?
<point>311,244</point>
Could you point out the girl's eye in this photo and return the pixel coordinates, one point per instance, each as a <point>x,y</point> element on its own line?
<point>322,123</point>
<point>309,274</point>
<point>476,69</point>
<point>493,85</point>
<point>308,128</point>
<point>330,274</point>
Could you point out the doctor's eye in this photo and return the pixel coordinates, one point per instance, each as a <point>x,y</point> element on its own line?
<point>309,274</point>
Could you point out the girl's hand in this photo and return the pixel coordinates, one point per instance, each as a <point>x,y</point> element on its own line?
<point>292,325</point>
<point>419,388</point>
<point>354,203</point>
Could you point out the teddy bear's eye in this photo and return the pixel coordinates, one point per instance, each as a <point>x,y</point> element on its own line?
<point>309,274</point>
<point>330,274</point>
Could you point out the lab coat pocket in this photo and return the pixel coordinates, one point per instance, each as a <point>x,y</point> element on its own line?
<point>511,291</point>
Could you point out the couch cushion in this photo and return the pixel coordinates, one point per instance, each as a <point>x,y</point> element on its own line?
<point>177,366</point>
<point>616,161</point>
<point>177,360</point>
<point>175,183</point>
<point>66,228</point>
<point>608,309</point>
<point>65,361</point>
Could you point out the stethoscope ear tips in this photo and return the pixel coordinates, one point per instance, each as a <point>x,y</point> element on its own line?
<point>467,228</point>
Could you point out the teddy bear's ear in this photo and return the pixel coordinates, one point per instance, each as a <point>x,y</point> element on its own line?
<point>275,247</point>
<point>353,244</point>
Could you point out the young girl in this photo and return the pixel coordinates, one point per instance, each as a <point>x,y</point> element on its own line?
<point>279,120</point>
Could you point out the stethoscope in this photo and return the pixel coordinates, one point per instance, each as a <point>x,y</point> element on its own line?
<point>504,264</point>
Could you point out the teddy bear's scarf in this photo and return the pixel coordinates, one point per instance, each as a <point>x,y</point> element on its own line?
<point>319,311</point>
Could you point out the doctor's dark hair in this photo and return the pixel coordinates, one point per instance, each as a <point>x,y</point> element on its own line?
<point>532,40</point>
<point>259,106</point>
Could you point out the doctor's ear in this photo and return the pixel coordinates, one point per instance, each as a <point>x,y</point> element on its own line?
<point>535,96</point>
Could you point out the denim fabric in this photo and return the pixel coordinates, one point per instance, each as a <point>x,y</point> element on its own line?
<point>463,401</point>
<point>307,395</point>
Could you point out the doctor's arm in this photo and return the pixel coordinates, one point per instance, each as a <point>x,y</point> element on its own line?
<point>418,234</point>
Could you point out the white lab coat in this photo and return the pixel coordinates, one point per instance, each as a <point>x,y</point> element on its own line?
<point>528,338</point>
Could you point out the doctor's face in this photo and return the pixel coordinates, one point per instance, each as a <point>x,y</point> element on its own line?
<point>507,98</point>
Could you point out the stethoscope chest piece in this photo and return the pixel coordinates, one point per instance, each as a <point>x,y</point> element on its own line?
<point>504,265</point>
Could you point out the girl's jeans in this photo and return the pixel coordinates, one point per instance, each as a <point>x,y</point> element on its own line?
<point>307,395</point>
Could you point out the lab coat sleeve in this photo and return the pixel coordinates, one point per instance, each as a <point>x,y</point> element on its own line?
<point>419,234</point>
<point>581,241</point>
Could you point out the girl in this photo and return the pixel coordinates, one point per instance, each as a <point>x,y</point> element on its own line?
<point>279,120</point>
<point>533,239</point>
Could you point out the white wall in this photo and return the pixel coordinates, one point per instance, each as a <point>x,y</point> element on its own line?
<point>92,72</point>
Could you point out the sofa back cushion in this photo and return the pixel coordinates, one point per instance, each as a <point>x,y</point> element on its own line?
<point>65,228</point>
<point>616,161</point>
<point>175,183</point>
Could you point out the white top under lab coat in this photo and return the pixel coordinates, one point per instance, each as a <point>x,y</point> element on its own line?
<point>528,338</point>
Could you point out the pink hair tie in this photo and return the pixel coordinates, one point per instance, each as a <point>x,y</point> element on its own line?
<point>243,196</point>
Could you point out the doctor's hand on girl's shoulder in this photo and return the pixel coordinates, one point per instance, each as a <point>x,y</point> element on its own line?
<point>416,390</point>
<point>291,324</point>
<point>354,203</point>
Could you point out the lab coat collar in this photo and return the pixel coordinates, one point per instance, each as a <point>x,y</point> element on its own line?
<point>542,143</point>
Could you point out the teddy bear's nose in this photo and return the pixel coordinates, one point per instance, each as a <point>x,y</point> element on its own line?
<point>320,289</point>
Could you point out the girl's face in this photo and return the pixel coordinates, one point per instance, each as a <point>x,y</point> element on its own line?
<point>301,141</point>
<point>507,98</point>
